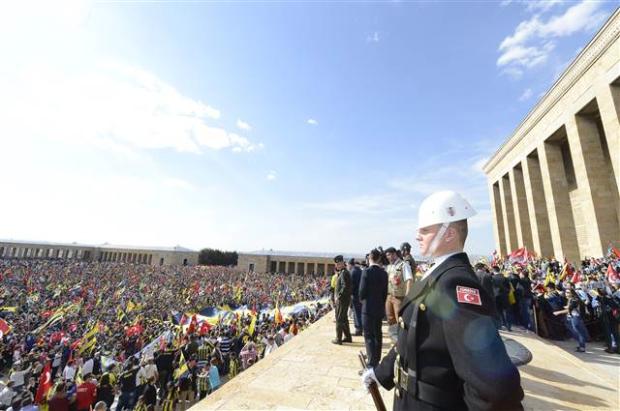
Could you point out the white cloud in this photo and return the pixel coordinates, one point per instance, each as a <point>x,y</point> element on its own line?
<point>243,125</point>
<point>178,183</point>
<point>312,122</point>
<point>373,38</point>
<point>272,175</point>
<point>527,93</point>
<point>542,5</point>
<point>533,40</point>
<point>112,106</point>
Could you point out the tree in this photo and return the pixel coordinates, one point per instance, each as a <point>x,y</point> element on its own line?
<point>211,256</point>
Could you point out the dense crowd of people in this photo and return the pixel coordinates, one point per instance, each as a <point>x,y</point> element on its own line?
<point>558,299</point>
<point>88,335</point>
<point>76,336</point>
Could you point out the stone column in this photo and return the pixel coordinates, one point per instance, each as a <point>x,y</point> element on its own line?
<point>537,207</point>
<point>608,99</point>
<point>592,173</point>
<point>522,217</point>
<point>498,227</point>
<point>561,224</point>
<point>508,214</point>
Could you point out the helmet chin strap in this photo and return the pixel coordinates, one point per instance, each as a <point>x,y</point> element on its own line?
<point>438,237</point>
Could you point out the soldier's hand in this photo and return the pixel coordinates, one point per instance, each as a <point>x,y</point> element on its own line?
<point>368,377</point>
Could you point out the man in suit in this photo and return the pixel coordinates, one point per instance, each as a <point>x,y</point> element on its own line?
<point>485,278</point>
<point>342,297</point>
<point>356,274</point>
<point>449,355</point>
<point>501,286</point>
<point>373,293</point>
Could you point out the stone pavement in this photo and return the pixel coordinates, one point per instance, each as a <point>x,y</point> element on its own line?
<point>309,372</point>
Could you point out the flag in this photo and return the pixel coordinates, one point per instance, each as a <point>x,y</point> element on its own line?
<point>550,278</point>
<point>182,367</point>
<point>567,270</point>
<point>88,346</point>
<point>238,295</point>
<point>130,306</point>
<point>576,278</point>
<point>45,383</point>
<point>205,327</point>
<point>192,325</point>
<point>613,251</point>
<point>120,315</point>
<point>252,325</point>
<point>612,275</point>
<point>5,327</point>
<point>8,309</point>
<point>278,315</point>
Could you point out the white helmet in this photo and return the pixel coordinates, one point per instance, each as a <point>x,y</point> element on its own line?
<point>444,207</point>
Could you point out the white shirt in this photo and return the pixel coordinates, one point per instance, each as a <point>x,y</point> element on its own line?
<point>6,396</point>
<point>87,368</point>
<point>18,377</point>
<point>68,374</point>
<point>407,274</point>
<point>269,348</point>
<point>150,370</point>
<point>438,261</point>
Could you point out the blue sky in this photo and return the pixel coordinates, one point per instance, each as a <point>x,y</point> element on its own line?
<point>313,126</point>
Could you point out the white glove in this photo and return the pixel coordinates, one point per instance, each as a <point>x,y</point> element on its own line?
<point>368,377</point>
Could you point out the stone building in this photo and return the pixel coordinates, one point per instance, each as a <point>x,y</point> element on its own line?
<point>554,183</point>
<point>270,261</point>
<point>104,253</point>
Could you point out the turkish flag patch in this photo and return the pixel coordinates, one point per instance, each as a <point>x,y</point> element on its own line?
<point>468,295</point>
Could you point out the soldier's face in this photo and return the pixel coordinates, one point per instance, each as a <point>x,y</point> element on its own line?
<point>425,238</point>
<point>391,257</point>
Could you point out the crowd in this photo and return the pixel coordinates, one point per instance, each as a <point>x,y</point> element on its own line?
<point>88,335</point>
<point>557,299</point>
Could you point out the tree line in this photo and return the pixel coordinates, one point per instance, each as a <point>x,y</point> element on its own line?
<point>211,256</point>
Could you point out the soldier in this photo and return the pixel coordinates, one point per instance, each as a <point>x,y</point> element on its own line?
<point>400,279</point>
<point>342,296</point>
<point>449,355</point>
<point>405,250</point>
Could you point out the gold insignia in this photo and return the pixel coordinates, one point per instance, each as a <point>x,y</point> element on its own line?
<point>422,307</point>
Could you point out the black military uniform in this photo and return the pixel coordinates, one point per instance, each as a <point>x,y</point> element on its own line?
<point>449,355</point>
<point>342,295</point>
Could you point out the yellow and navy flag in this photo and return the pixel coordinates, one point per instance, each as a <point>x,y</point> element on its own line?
<point>120,315</point>
<point>8,309</point>
<point>130,306</point>
<point>252,324</point>
<point>182,367</point>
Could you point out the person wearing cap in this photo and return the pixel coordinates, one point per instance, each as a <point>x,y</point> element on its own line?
<point>449,355</point>
<point>356,275</point>
<point>342,297</point>
<point>405,251</point>
<point>400,279</point>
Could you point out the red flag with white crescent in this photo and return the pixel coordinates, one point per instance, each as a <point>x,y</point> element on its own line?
<point>45,383</point>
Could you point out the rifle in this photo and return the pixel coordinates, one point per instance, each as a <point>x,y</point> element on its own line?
<point>373,389</point>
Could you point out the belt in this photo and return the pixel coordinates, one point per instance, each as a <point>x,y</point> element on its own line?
<point>407,380</point>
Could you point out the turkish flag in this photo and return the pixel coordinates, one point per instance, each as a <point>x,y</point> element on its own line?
<point>45,382</point>
<point>612,275</point>
<point>204,328</point>
<point>468,295</point>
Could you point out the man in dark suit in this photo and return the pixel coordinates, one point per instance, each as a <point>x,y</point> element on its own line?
<point>356,274</point>
<point>342,296</point>
<point>485,278</point>
<point>373,293</point>
<point>449,355</point>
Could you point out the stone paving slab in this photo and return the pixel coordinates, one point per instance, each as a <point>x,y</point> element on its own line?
<point>311,373</point>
